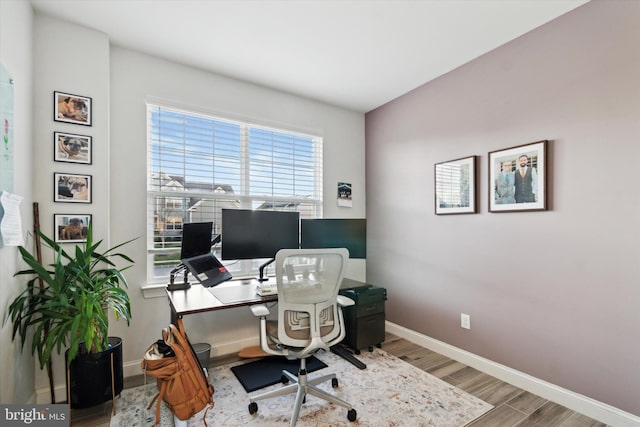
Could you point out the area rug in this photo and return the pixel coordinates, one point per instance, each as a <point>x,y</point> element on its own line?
<point>388,393</point>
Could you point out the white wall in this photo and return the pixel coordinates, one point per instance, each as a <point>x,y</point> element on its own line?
<point>119,81</point>
<point>72,59</point>
<point>16,24</point>
<point>135,78</point>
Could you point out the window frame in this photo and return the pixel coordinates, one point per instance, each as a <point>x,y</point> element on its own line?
<point>245,200</point>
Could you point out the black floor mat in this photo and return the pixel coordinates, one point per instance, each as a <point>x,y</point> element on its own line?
<point>268,371</point>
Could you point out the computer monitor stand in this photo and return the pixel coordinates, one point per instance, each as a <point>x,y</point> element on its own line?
<point>172,286</point>
<point>262,277</point>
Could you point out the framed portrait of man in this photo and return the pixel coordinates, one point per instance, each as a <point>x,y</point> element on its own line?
<point>517,178</point>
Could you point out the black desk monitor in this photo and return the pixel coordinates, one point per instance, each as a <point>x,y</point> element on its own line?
<point>249,234</point>
<point>335,233</point>
<point>196,239</point>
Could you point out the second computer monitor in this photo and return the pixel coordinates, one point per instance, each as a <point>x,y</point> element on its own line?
<point>335,233</point>
<point>196,239</point>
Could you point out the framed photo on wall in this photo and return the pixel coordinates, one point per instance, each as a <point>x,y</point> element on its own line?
<point>71,228</point>
<point>72,188</point>
<point>71,108</point>
<point>72,148</point>
<point>344,195</point>
<point>517,178</point>
<point>455,186</point>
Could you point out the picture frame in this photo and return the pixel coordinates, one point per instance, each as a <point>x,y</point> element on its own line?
<point>518,178</point>
<point>456,186</point>
<point>72,188</point>
<point>72,148</point>
<point>69,108</point>
<point>344,195</point>
<point>71,228</point>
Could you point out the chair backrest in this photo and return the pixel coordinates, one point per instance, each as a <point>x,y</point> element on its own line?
<point>308,282</point>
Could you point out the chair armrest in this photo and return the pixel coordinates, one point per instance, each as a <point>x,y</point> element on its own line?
<point>259,310</point>
<point>345,301</point>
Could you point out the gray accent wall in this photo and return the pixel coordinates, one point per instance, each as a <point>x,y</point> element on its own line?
<point>553,294</point>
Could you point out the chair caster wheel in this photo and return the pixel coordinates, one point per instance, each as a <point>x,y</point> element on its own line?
<point>284,379</point>
<point>334,383</point>
<point>352,415</point>
<point>253,408</point>
<point>370,349</point>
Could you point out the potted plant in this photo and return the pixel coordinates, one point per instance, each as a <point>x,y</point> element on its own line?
<point>66,303</point>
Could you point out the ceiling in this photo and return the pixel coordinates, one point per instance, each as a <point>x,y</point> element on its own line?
<point>356,54</point>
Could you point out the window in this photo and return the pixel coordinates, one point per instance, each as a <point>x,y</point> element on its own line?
<point>200,164</point>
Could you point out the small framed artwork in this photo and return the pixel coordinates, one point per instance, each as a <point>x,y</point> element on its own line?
<point>517,178</point>
<point>344,195</point>
<point>70,108</point>
<point>455,185</point>
<point>72,148</point>
<point>71,228</point>
<point>72,188</point>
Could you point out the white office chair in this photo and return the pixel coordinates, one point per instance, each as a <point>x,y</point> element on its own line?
<point>309,319</point>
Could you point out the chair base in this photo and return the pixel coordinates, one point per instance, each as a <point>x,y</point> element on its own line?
<point>302,386</point>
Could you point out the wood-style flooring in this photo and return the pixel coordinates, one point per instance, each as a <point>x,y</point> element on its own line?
<point>513,407</point>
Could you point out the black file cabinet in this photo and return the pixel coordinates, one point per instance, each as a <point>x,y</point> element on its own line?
<point>364,321</point>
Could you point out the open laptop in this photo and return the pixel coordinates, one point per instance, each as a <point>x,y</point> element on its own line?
<point>207,269</point>
<point>197,257</point>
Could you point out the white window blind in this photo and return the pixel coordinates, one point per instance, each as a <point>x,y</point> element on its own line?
<point>452,185</point>
<point>199,165</point>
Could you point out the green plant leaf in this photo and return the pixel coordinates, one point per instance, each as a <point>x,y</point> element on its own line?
<point>70,309</point>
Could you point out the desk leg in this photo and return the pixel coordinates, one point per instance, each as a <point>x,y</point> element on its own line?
<point>174,317</point>
<point>342,351</point>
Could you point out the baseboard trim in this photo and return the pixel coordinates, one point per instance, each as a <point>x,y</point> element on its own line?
<point>577,402</point>
<point>43,395</point>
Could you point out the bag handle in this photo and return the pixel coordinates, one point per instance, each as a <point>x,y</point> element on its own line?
<point>158,397</point>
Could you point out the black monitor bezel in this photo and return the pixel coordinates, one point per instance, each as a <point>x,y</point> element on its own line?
<point>197,236</point>
<point>258,234</point>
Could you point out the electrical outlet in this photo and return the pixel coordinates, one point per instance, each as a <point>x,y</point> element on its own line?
<point>465,321</point>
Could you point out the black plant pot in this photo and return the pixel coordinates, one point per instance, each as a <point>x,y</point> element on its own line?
<point>89,377</point>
